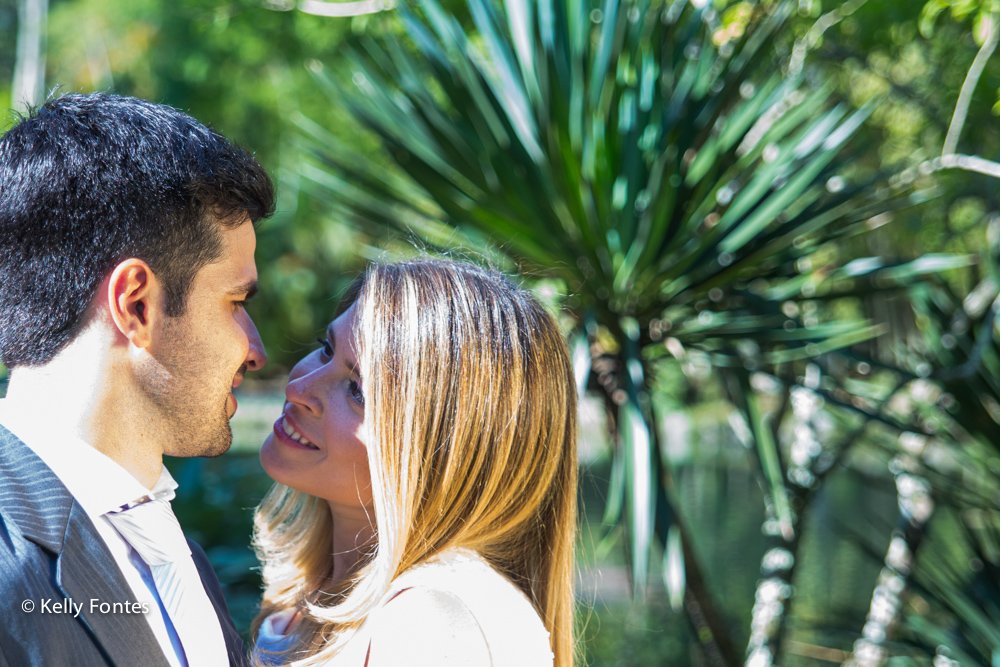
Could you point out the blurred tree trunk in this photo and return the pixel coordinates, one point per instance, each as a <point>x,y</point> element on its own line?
<point>915,509</point>
<point>29,68</point>
<point>623,381</point>
<point>774,589</point>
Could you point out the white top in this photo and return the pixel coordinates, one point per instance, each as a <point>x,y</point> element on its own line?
<point>454,609</point>
<point>100,485</point>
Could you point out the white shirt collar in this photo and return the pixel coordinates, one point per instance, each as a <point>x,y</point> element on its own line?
<point>97,482</point>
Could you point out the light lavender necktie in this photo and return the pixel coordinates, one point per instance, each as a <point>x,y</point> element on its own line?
<point>153,531</point>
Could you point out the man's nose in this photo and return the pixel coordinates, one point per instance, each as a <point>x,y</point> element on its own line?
<point>256,356</point>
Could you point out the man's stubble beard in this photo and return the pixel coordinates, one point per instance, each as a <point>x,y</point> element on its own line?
<point>174,386</point>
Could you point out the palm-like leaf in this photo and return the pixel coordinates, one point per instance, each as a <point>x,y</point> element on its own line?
<point>666,173</point>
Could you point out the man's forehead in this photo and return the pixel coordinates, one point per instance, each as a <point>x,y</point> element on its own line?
<point>243,237</point>
<point>235,268</point>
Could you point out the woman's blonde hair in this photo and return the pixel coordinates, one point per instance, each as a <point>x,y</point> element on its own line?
<point>471,423</point>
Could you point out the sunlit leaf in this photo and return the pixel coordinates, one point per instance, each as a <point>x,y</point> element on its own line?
<point>673,569</point>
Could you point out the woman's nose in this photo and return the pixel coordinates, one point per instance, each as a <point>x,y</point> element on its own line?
<point>304,383</point>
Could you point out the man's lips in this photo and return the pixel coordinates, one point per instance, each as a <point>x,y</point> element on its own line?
<point>238,378</point>
<point>237,381</point>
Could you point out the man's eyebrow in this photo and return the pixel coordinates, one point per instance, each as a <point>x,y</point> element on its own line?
<point>247,290</point>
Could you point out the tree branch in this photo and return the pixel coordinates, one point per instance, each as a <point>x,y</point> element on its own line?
<point>965,95</point>
<point>968,163</point>
<point>342,9</point>
<point>812,37</point>
<point>29,68</point>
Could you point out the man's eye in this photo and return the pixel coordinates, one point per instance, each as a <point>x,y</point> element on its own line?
<point>240,304</point>
<point>327,348</point>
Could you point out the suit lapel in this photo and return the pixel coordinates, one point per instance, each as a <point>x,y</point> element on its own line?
<point>46,514</point>
<point>86,572</point>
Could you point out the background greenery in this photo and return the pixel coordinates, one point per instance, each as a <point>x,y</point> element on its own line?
<point>779,458</point>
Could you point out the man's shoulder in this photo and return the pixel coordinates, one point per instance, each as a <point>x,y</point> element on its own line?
<point>32,498</point>
<point>18,463</point>
<point>17,553</point>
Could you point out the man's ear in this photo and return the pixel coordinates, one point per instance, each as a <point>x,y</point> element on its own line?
<point>134,301</point>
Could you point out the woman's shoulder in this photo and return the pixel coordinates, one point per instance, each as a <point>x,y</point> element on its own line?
<point>457,602</point>
<point>427,626</point>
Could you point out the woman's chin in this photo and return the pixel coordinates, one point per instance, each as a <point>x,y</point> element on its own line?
<point>277,467</point>
<point>269,458</point>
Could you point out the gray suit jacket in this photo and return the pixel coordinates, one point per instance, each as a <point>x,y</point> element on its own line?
<point>50,550</point>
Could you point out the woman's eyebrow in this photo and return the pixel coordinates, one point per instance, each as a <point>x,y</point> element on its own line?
<point>332,337</point>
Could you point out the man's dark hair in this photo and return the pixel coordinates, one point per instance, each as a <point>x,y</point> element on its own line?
<point>87,181</point>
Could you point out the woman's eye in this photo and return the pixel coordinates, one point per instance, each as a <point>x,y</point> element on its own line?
<point>327,348</point>
<point>356,393</point>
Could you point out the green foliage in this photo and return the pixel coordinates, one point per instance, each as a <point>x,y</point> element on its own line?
<point>8,45</point>
<point>688,188</point>
<point>979,10</point>
<point>880,46</point>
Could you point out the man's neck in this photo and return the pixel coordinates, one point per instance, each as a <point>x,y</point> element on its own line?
<point>80,395</point>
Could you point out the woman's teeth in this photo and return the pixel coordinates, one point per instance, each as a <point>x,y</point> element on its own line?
<point>295,435</point>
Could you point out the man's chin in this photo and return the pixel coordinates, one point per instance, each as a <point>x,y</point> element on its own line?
<point>217,451</point>
<point>207,446</point>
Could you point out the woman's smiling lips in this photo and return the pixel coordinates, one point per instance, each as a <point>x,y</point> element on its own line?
<point>285,431</point>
